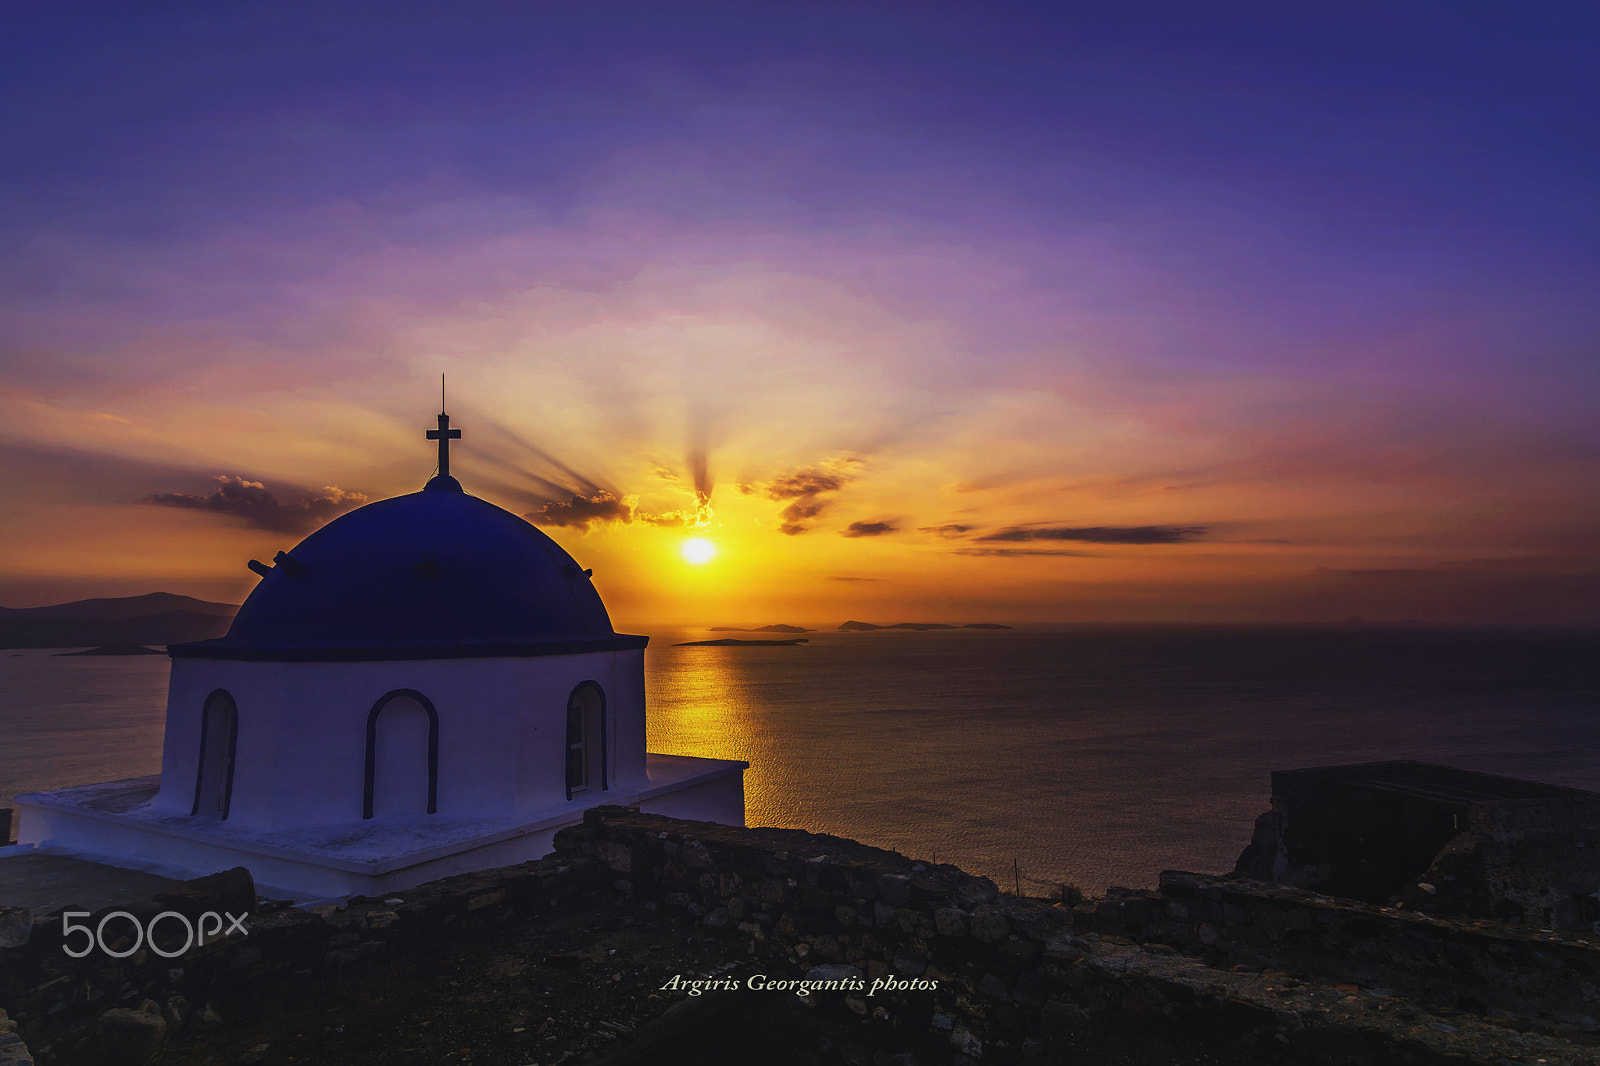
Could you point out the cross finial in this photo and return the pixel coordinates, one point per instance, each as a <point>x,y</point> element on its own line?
<point>444,435</point>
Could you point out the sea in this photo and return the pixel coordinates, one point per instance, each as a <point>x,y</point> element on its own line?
<point>1040,756</point>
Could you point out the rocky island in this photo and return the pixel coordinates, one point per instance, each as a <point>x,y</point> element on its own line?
<point>862,627</point>
<point>734,642</point>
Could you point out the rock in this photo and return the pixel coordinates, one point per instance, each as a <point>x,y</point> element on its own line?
<point>1064,1014</point>
<point>949,921</point>
<point>966,1042</point>
<point>989,926</point>
<point>1018,953</point>
<point>993,987</point>
<point>176,1012</point>
<point>128,1037</point>
<point>833,972</point>
<point>894,889</point>
<point>619,857</point>
<point>229,892</point>
<point>16,924</point>
<point>695,855</point>
<point>909,963</point>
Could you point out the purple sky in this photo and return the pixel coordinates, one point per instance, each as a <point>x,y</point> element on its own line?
<point>1318,283</point>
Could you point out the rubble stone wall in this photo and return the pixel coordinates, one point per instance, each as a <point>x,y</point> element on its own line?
<point>1488,967</point>
<point>998,979</point>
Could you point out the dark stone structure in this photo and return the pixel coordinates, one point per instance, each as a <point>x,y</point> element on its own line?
<point>1434,838</point>
<point>911,962</point>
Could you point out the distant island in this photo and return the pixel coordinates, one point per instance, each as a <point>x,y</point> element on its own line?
<point>154,618</point>
<point>734,642</point>
<point>862,627</point>
<point>778,628</point>
<point>115,649</point>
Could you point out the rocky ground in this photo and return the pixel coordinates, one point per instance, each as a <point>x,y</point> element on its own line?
<point>580,983</point>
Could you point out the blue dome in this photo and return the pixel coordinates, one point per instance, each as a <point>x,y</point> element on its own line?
<point>435,574</point>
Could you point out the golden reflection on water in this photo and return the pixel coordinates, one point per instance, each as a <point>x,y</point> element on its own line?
<point>700,703</point>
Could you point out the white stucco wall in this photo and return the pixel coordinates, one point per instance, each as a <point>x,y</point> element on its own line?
<point>301,749</point>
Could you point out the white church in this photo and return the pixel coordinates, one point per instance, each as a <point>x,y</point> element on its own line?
<point>425,686</point>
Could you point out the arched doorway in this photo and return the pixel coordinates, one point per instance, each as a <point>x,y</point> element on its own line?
<point>586,739</point>
<point>219,739</point>
<point>402,756</point>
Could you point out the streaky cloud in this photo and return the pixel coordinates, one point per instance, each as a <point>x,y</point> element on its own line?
<point>950,530</point>
<point>1103,534</point>
<point>1017,553</point>
<point>252,501</point>
<point>868,529</point>
<point>579,511</point>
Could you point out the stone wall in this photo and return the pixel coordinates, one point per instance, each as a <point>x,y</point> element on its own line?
<point>1488,968</point>
<point>1439,839</point>
<point>1016,978</point>
<point>998,979</point>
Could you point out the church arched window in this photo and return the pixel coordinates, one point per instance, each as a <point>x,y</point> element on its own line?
<point>402,756</point>
<point>586,739</point>
<point>219,740</point>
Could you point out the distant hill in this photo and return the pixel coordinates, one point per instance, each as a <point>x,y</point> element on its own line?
<point>155,618</point>
<point>734,642</point>
<point>863,627</point>
<point>106,609</point>
<point>777,628</point>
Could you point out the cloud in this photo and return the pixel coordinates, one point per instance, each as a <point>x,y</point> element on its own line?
<point>948,530</point>
<point>868,529</point>
<point>807,488</point>
<point>1009,553</point>
<point>804,483</point>
<point>1104,534</point>
<point>251,501</point>
<point>578,511</point>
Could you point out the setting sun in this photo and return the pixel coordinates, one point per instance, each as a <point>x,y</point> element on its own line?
<point>698,550</point>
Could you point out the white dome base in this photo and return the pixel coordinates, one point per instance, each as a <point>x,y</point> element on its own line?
<point>118,823</point>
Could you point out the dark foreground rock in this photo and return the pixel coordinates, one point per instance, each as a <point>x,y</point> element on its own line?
<point>649,940</point>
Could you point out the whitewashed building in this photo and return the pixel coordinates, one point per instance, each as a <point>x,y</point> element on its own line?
<point>426,685</point>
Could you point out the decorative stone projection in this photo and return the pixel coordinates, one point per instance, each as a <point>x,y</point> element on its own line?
<point>1434,838</point>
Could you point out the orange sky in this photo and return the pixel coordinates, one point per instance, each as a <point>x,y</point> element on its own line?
<point>976,314</point>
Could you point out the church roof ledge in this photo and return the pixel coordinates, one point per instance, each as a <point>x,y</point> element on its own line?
<point>512,648</point>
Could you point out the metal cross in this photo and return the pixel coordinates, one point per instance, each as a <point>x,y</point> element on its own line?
<point>444,435</point>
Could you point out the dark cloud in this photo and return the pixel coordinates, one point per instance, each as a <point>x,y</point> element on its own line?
<point>797,514</point>
<point>251,501</point>
<point>806,488</point>
<point>1103,534</point>
<point>868,529</point>
<point>948,530</point>
<point>578,511</point>
<point>803,483</point>
<point>1009,553</point>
